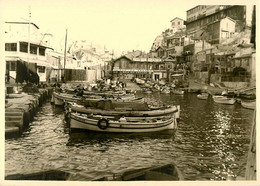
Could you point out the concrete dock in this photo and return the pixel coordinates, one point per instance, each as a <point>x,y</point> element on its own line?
<point>20,109</point>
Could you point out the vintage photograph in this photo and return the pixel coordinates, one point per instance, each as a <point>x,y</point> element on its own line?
<point>101,91</point>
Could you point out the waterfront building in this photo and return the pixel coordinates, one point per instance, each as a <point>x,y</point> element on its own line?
<point>148,68</point>
<point>17,55</point>
<point>217,22</point>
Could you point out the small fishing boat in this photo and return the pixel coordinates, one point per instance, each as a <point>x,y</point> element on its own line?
<point>203,96</point>
<point>249,104</point>
<point>60,98</point>
<point>139,81</point>
<point>43,175</point>
<point>166,91</point>
<point>177,91</point>
<point>224,100</point>
<point>122,124</point>
<point>108,108</point>
<point>168,172</point>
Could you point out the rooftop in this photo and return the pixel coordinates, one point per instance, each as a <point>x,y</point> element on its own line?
<point>14,22</point>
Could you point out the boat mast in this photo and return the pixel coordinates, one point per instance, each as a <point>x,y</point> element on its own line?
<point>29,34</point>
<point>65,52</point>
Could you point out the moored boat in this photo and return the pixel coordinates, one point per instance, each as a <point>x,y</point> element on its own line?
<point>139,81</point>
<point>137,109</point>
<point>122,124</point>
<point>177,91</point>
<point>166,91</point>
<point>168,172</point>
<point>249,104</point>
<point>61,98</point>
<point>203,96</point>
<point>42,175</point>
<point>224,100</point>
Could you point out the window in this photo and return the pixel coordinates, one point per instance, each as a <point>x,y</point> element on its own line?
<point>42,51</point>
<point>179,23</point>
<point>33,49</point>
<point>41,69</point>
<point>10,47</point>
<point>24,47</point>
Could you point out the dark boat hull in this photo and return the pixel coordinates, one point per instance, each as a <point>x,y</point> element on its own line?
<point>168,172</point>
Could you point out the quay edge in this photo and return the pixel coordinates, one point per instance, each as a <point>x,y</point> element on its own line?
<point>21,108</point>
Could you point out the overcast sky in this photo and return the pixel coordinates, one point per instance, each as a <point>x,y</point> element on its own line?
<point>122,25</point>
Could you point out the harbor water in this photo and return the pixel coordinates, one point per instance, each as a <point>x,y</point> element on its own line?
<point>211,143</point>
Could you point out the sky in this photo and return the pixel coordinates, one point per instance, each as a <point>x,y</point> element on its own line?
<point>119,25</point>
<point>123,25</point>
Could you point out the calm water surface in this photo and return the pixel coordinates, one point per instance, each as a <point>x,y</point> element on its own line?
<point>211,143</point>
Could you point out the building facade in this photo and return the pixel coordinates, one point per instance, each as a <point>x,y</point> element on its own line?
<point>150,68</point>
<point>203,19</point>
<point>22,51</point>
<point>177,23</point>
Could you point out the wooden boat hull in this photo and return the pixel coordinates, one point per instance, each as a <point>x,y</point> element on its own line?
<point>249,104</point>
<point>224,100</point>
<point>168,172</point>
<point>61,98</point>
<point>156,112</point>
<point>44,175</point>
<point>79,121</point>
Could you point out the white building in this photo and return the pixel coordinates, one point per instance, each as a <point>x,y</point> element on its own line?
<point>177,23</point>
<point>17,43</point>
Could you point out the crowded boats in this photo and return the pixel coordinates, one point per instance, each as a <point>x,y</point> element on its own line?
<point>106,108</point>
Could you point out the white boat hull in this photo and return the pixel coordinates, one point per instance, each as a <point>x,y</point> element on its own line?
<point>61,98</point>
<point>249,105</point>
<point>78,121</point>
<point>203,96</point>
<point>224,100</point>
<point>178,92</point>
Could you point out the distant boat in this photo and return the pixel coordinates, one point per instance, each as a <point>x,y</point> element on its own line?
<point>248,104</point>
<point>177,91</point>
<point>43,175</point>
<point>168,172</point>
<point>166,91</point>
<point>224,100</point>
<point>203,96</point>
<point>139,81</point>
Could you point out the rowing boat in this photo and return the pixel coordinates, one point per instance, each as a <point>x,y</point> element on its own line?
<point>168,172</point>
<point>249,104</point>
<point>224,100</point>
<point>203,96</point>
<point>124,110</point>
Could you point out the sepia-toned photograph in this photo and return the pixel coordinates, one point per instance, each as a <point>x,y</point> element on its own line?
<point>149,92</point>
